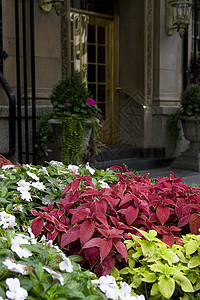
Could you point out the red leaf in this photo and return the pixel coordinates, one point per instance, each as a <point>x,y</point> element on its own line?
<point>80,215</point>
<point>121,248</point>
<point>70,236</point>
<point>195,223</point>
<point>126,199</point>
<point>163,213</point>
<point>169,239</point>
<point>52,235</point>
<point>183,221</point>
<point>92,255</point>
<point>131,214</point>
<point>108,264</point>
<point>75,184</point>
<point>105,247</point>
<point>86,231</point>
<point>91,192</point>
<point>116,168</point>
<point>102,218</point>
<point>95,242</point>
<point>37,225</point>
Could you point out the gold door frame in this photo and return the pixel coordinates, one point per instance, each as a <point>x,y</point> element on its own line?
<point>80,21</point>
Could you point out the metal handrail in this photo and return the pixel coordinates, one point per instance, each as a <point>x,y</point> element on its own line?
<point>12,102</point>
<point>132,97</point>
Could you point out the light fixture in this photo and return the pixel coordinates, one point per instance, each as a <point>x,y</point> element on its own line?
<point>177,16</point>
<point>46,5</point>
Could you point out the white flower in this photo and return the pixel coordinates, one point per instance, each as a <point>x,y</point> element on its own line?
<point>108,285</point>
<point>103,184</point>
<point>66,264</point>
<point>125,292</point>
<point>47,200</point>
<point>18,207</point>
<point>33,176</point>
<point>32,236</point>
<point>15,291</point>
<point>5,167</point>
<point>44,171</point>
<point>7,220</point>
<point>73,168</point>
<point>2,176</point>
<point>17,245</point>
<point>31,168</point>
<point>38,185</point>
<point>13,266</point>
<point>56,163</point>
<point>22,182</point>
<point>55,275</point>
<point>92,171</point>
<point>140,297</point>
<point>26,196</point>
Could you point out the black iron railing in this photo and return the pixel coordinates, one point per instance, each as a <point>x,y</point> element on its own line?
<point>11,97</point>
<point>26,141</point>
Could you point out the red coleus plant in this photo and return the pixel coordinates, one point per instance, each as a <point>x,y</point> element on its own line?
<point>94,223</point>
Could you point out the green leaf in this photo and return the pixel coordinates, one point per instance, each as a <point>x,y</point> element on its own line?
<point>3,200</point>
<point>194,262</point>
<point>166,286</point>
<point>131,263</point>
<point>184,282</point>
<point>4,191</point>
<point>3,251</point>
<point>149,277</point>
<point>158,267</point>
<point>115,273</point>
<point>148,248</point>
<point>155,289</point>
<point>191,247</point>
<point>169,256</point>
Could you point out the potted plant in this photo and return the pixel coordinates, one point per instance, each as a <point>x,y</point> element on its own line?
<point>73,120</point>
<point>189,116</point>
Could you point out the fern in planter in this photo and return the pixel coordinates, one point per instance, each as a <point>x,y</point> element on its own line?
<point>190,106</point>
<point>72,104</point>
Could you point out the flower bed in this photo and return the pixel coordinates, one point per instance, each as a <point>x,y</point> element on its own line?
<point>97,234</point>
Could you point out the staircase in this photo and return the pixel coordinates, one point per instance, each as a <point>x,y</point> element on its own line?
<point>134,159</point>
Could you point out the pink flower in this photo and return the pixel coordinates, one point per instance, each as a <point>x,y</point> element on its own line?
<point>90,101</point>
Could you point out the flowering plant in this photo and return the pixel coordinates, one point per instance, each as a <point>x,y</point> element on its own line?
<point>73,106</point>
<point>33,268</point>
<point>71,96</point>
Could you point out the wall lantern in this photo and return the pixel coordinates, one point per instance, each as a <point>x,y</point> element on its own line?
<point>46,5</point>
<point>177,16</point>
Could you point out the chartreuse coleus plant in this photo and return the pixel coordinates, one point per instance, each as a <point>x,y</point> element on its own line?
<point>160,272</point>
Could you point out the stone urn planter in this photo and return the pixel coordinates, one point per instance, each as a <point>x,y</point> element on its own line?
<point>190,159</point>
<point>55,138</point>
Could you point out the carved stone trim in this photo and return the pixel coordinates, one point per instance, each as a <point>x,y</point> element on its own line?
<point>149,8</point>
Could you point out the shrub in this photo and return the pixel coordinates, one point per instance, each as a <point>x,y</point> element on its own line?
<point>94,223</point>
<point>160,272</point>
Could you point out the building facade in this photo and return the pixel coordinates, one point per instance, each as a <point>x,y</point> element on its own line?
<point>133,68</point>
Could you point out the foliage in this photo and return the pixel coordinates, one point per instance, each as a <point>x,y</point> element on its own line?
<point>190,106</point>
<point>45,273</point>
<point>40,270</point>
<point>69,97</point>
<point>21,189</point>
<point>94,223</point>
<point>194,68</point>
<point>72,105</point>
<point>161,272</point>
<point>72,139</point>
<point>191,100</point>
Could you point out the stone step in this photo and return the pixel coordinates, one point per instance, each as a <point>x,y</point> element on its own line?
<point>134,163</point>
